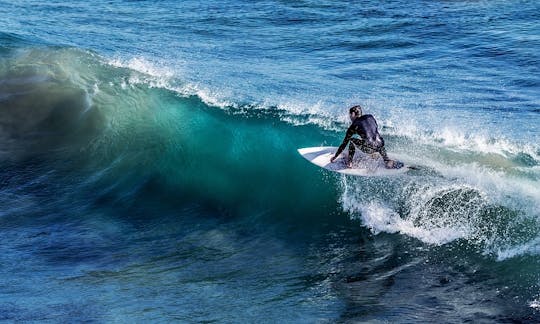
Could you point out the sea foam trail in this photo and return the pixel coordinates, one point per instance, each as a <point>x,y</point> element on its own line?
<point>495,215</point>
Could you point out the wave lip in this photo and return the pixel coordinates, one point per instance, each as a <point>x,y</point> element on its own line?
<point>293,111</point>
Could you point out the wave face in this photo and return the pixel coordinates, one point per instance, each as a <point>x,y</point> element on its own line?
<point>67,103</point>
<point>161,161</point>
<point>70,104</point>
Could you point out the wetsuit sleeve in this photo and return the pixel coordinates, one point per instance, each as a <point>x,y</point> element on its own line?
<point>348,136</point>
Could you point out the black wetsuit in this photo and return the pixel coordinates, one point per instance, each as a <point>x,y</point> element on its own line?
<point>369,142</point>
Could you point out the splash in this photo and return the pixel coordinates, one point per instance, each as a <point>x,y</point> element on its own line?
<point>529,248</point>
<point>380,218</point>
<point>439,210</point>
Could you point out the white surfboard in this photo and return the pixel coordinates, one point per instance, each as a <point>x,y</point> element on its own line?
<point>364,165</point>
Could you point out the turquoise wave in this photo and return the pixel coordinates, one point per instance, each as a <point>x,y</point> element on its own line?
<point>120,136</point>
<point>83,116</point>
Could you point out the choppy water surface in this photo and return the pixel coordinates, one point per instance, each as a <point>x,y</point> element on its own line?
<point>148,164</point>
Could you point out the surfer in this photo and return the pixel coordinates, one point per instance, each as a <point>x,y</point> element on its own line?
<point>369,142</point>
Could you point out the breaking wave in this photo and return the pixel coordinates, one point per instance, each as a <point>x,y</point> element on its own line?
<point>133,125</point>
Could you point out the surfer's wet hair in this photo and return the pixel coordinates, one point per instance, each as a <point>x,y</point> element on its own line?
<point>357,110</point>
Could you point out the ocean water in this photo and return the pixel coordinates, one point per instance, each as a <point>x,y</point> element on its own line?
<point>148,164</point>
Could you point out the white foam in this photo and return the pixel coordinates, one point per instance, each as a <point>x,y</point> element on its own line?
<point>295,112</point>
<point>458,139</point>
<point>441,210</point>
<point>208,96</point>
<point>419,223</point>
<point>379,218</point>
<point>530,248</point>
<point>144,66</point>
<point>159,76</point>
<point>496,186</point>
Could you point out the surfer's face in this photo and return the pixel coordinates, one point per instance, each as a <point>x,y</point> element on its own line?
<point>352,115</point>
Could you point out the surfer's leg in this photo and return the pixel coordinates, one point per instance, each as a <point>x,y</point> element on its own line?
<point>390,164</point>
<point>382,152</point>
<point>368,149</point>
<point>365,147</point>
<point>352,149</point>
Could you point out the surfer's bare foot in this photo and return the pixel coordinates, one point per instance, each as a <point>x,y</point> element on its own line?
<point>349,164</point>
<point>389,164</point>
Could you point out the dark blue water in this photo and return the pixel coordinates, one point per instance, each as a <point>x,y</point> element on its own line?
<point>149,172</point>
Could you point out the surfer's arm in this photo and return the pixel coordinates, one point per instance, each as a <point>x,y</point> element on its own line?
<point>348,136</point>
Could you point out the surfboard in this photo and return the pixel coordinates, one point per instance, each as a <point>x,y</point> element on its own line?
<point>364,165</point>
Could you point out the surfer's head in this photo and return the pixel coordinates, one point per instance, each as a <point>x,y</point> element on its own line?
<point>355,112</point>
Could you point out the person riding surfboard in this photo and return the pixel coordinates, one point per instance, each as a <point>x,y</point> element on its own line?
<point>370,141</point>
